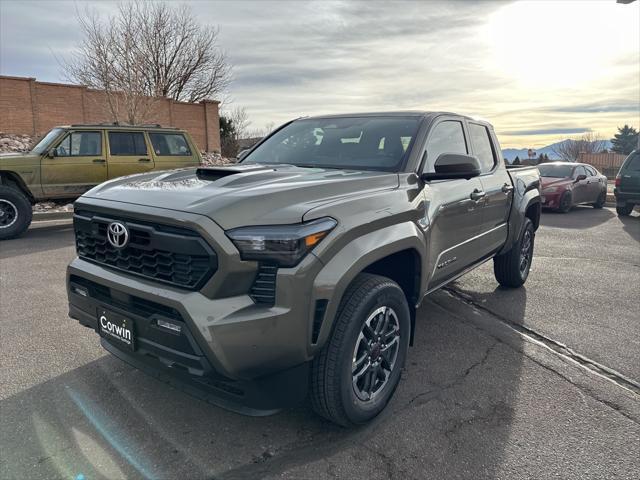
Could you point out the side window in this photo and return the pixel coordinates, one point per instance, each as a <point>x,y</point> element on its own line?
<point>127,143</point>
<point>579,171</point>
<point>591,171</point>
<point>169,144</point>
<point>482,147</point>
<point>80,144</point>
<point>634,163</point>
<point>446,137</point>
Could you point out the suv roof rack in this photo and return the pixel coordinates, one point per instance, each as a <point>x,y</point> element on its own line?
<point>123,125</point>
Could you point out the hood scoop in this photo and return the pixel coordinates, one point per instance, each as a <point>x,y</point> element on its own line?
<point>216,173</point>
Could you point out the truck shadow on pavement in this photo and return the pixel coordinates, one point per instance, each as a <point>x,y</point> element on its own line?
<point>451,417</point>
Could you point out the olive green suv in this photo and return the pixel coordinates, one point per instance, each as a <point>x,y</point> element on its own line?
<point>70,160</point>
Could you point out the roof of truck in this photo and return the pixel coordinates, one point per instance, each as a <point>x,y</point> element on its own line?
<point>399,113</point>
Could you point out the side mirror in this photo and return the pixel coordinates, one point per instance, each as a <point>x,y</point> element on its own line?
<point>51,153</point>
<point>242,154</point>
<point>454,165</point>
<point>579,178</point>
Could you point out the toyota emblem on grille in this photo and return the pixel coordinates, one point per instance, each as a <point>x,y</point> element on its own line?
<point>117,234</point>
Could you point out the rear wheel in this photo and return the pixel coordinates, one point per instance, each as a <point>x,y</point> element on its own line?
<point>565,202</point>
<point>511,269</point>
<point>356,373</point>
<point>601,200</point>
<point>625,210</point>
<point>15,212</point>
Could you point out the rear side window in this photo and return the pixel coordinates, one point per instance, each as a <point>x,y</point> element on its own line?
<point>591,171</point>
<point>169,144</point>
<point>579,171</point>
<point>482,147</point>
<point>80,144</point>
<point>446,137</point>
<point>127,143</point>
<point>634,163</point>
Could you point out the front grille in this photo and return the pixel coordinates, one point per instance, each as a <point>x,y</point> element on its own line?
<point>167,254</point>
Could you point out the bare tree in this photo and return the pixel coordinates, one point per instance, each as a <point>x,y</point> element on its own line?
<point>240,120</point>
<point>261,132</point>
<point>569,150</point>
<point>146,51</point>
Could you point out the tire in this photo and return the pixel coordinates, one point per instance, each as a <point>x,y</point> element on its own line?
<point>565,202</point>
<point>511,269</point>
<point>334,393</point>
<point>625,210</point>
<point>601,200</point>
<point>15,212</point>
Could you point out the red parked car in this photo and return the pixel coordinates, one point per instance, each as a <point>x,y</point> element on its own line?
<point>565,184</point>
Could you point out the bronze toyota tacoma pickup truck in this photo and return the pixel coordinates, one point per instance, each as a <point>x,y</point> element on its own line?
<point>299,270</point>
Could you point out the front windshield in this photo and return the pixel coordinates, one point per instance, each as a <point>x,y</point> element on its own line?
<point>556,171</point>
<point>364,143</point>
<point>43,144</point>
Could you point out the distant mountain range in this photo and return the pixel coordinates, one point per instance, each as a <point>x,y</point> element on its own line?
<point>511,153</point>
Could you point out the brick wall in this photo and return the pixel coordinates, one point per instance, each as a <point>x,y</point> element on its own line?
<point>33,108</point>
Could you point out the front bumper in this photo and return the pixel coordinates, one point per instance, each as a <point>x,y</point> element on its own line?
<point>208,369</point>
<point>551,200</point>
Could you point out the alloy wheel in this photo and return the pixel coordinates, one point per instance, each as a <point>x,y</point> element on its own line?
<point>375,353</point>
<point>8,213</point>
<point>525,252</point>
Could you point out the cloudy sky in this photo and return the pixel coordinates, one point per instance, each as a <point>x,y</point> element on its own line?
<point>539,71</point>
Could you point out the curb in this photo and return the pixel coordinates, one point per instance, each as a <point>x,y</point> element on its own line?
<point>44,216</point>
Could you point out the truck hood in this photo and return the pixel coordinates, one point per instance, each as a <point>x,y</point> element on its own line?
<point>238,195</point>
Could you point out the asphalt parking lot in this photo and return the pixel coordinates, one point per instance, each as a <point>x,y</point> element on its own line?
<point>538,382</point>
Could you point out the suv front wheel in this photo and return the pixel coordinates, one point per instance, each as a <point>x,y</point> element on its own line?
<point>15,212</point>
<point>356,373</point>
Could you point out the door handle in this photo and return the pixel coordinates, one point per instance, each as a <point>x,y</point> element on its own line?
<point>477,195</point>
<point>99,160</point>
<point>144,160</point>
<point>506,188</point>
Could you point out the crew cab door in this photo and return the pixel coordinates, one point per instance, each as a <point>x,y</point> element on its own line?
<point>77,165</point>
<point>454,213</point>
<point>128,153</point>
<point>497,189</point>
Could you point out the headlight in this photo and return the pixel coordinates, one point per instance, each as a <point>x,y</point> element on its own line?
<point>285,245</point>
<point>550,190</point>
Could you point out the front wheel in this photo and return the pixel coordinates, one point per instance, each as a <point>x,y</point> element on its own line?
<point>565,202</point>
<point>15,212</point>
<point>511,269</point>
<point>356,373</point>
<point>625,210</point>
